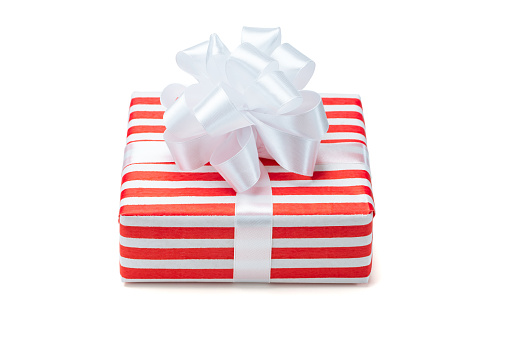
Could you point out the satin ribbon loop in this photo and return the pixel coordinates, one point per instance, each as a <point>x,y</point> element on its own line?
<point>247,104</point>
<point>193,60</point>
<point>218,115</point>
<point>272,93</point>
<point>297,67</point>
<point>265,39</point>
<point>246,64</point>
<point>236,160</point>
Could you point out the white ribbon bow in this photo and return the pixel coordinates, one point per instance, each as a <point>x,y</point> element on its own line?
<point>247,104</point>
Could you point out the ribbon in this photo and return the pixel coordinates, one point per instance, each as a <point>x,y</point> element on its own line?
<point>247,104</point>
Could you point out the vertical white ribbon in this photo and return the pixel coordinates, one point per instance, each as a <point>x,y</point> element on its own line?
<point>253,232</point>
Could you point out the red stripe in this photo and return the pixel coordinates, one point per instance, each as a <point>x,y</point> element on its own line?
<point>212,176</point>
<point>321,272</point>
<point>216,192</point>
<point>145,129</point>
<point>323,175</point>
<point>177,192</point>
<point>345,115</point>
<point>321,252</point>
<point>145,140</point>
<point>157,273</point>
<point>348,190</point>
<point>227,253</point>
<point>171,176</point>
<point>269,162</point>
<point>173,232</point>
<point>140,232</point>
<point>176,210</point>
<point>229,209</point>
<point>146,115</point>
<point>323,209</point>
<point>176,253</point>
<point>345,129</point>
<point>276,273</point>
<point>145,101</point>
<point>335,141</point>
<point>322,232</point>
<point>342,101</point>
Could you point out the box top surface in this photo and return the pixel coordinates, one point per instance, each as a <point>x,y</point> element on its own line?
<point>152,185</point>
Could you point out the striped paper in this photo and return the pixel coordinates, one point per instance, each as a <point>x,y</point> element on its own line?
<point>179,226</point>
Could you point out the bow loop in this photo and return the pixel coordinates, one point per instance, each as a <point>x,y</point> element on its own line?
<point>218,115</point>
<point>247,104</point>
<point>246,64</point>
<point>265,39</point>
<point>297,67</point>
<point>193,60</point>
<point>217,54</point>
<point>236,159</point>
<point>272,93</point>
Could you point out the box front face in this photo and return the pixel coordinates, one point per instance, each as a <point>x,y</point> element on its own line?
<point>179,226</point>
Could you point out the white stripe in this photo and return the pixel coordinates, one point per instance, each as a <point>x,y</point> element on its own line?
<point>228,264</point>
<point>144,136</point>
<point>323,220</point>
<point>149,108</point>
<point>176,243</point>
<point>228,221</point>
<point>152,122</point>
<point>344,135</point>
<point>223,184</point>
<point>177,221</point>
<point>177,264</point>
<point>277,199</point>
<point>228,243</point>
<point>314,263</point>
<point>177,200</point>
<point>165,168</point>
<point>173,184</point>
<point>342,108</point>
<point>346,122</point>
<point>322,242</point>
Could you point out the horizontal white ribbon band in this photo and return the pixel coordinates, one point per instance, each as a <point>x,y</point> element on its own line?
<point>157,152</point>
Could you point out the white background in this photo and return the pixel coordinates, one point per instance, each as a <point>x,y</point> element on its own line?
<point>434,83</point>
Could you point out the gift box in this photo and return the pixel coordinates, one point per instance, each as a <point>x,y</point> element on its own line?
<point>179,226</point>
<point>245,176</point>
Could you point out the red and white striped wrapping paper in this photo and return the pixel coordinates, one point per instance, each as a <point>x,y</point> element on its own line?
<point>179,226</point>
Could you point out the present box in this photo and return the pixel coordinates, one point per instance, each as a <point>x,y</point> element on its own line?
<point>179,226</point>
